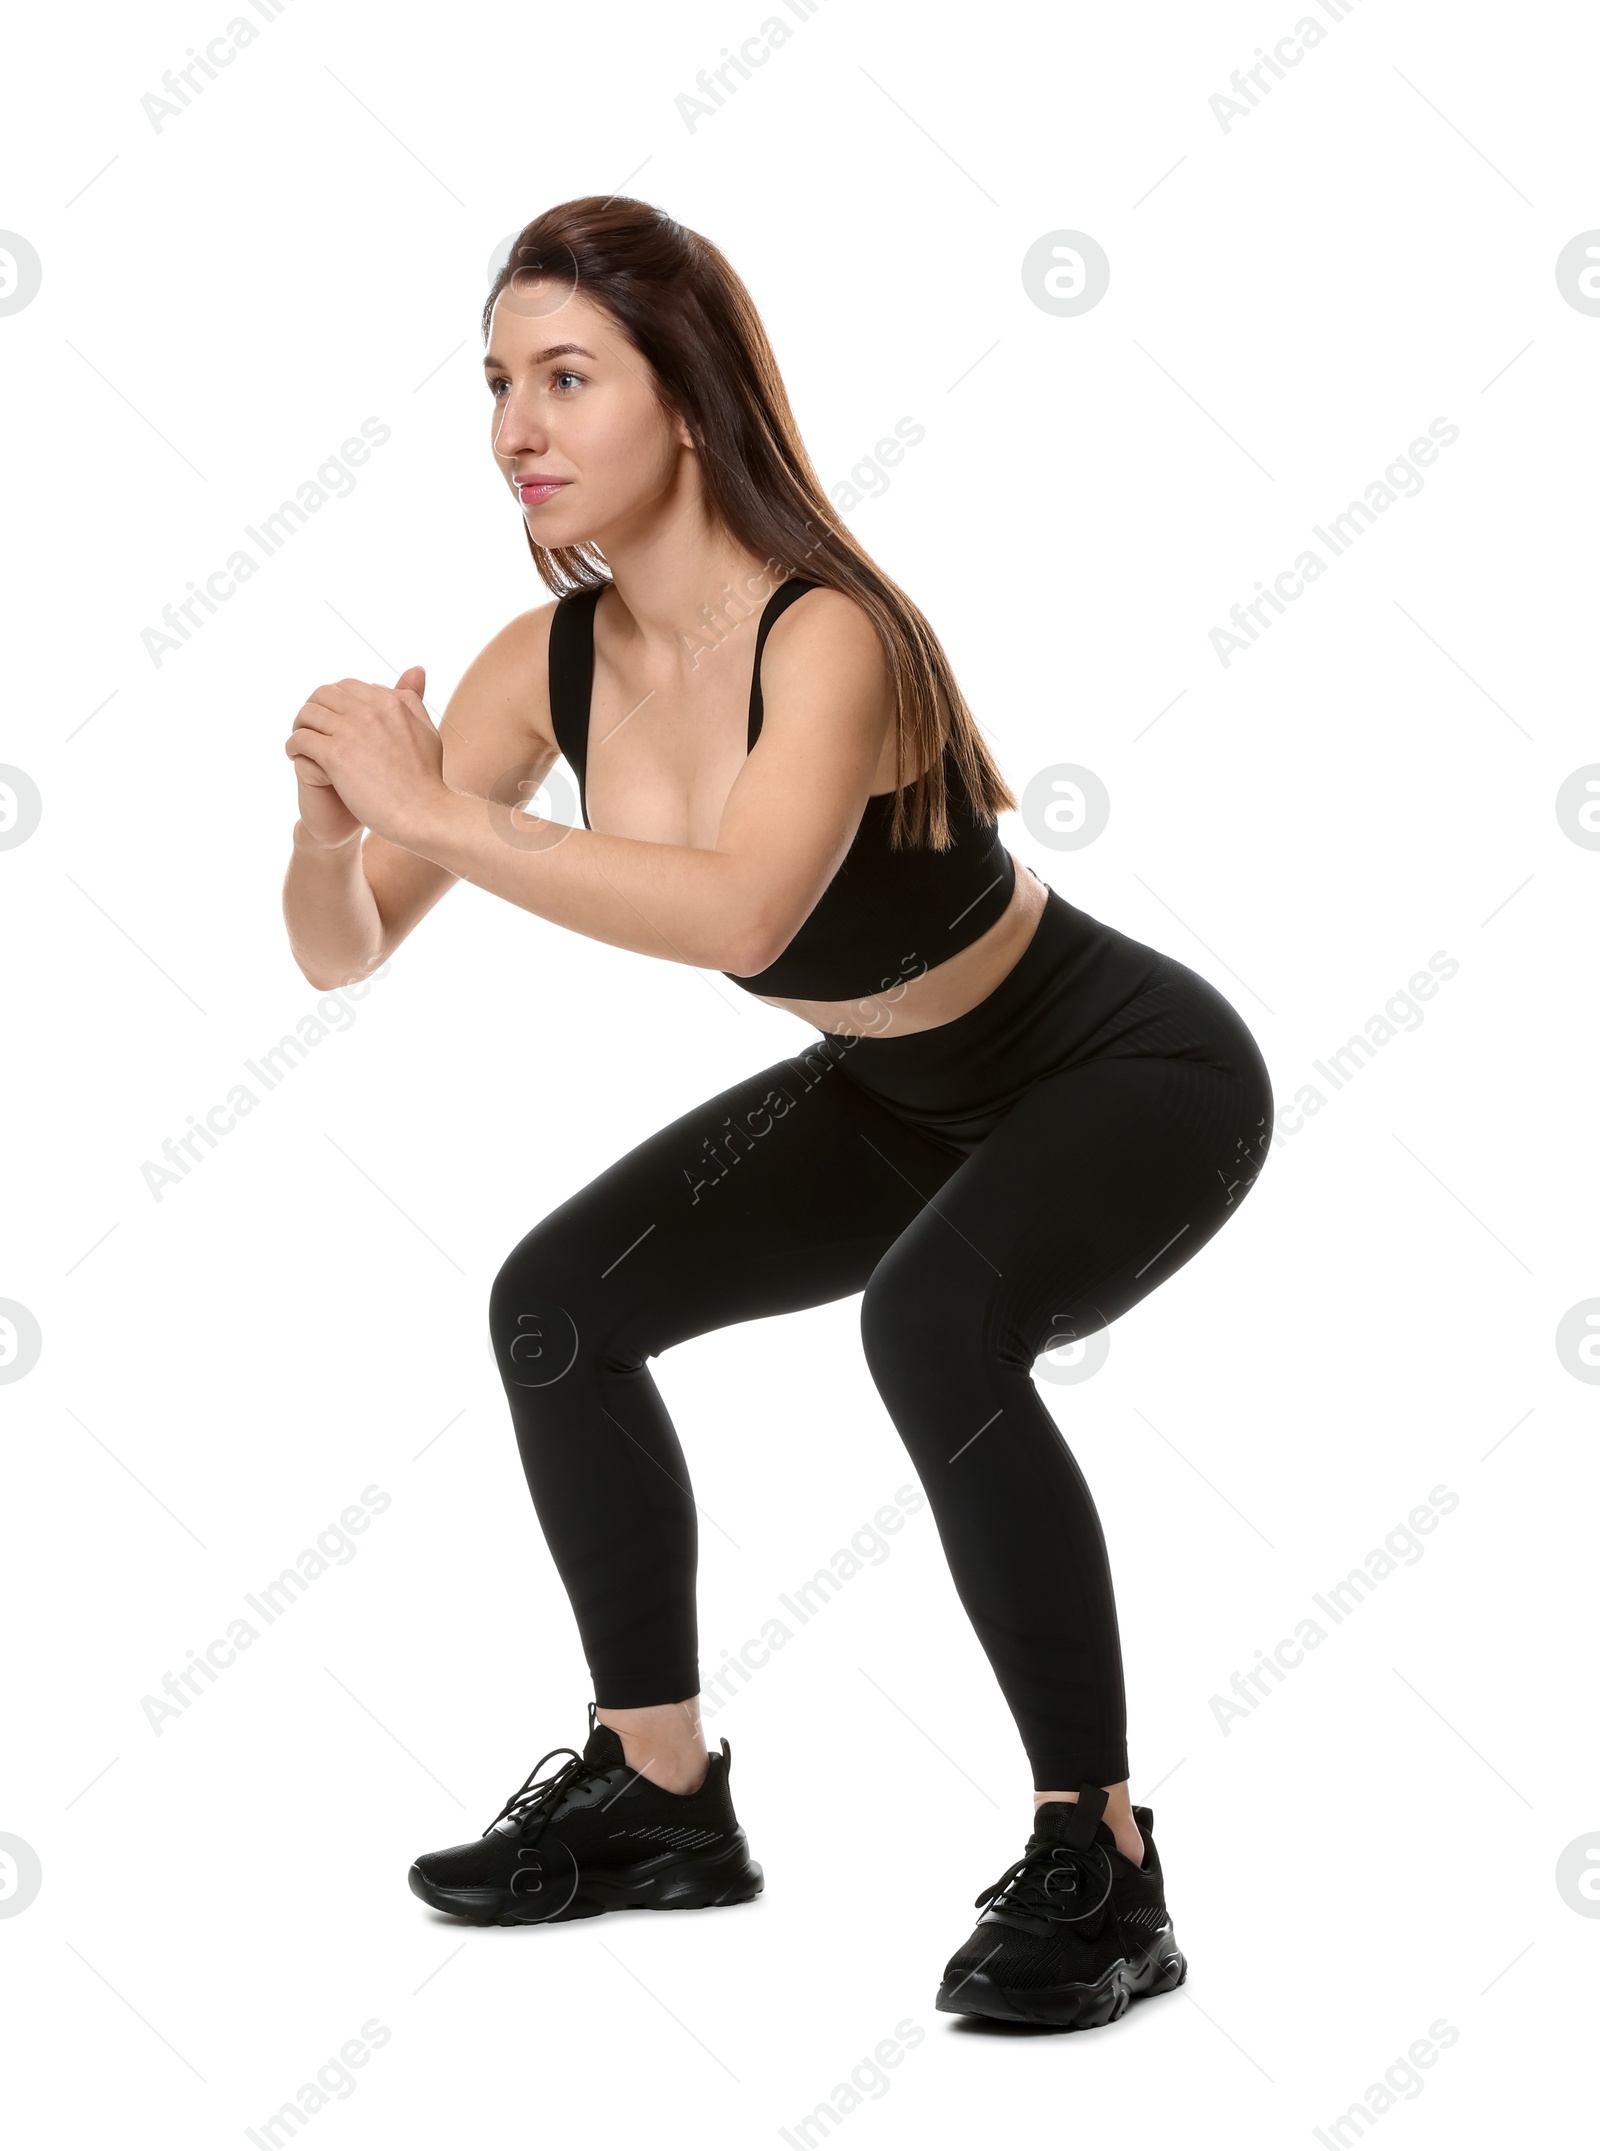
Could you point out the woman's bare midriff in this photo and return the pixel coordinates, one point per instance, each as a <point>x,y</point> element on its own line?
<point>948,990</point>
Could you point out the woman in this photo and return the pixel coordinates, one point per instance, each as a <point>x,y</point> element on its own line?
<point>1014,1122</point>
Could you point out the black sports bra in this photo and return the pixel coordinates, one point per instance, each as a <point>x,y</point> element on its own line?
<point>886,915</point>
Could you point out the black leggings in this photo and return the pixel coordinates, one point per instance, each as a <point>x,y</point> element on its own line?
<point>993,1187</point>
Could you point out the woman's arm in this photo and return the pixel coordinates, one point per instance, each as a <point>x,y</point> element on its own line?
<point>335,933</point>
<point>788,822</point>
<point>348,900</point>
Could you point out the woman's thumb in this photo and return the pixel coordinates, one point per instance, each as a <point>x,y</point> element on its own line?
<point>415,677</point>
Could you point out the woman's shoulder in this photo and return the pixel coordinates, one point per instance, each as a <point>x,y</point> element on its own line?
<point>831,624</point>
<point>507,684</point>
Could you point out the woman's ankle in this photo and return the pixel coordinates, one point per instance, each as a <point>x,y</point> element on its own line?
<point>1118,1818</point>
<point>662,1742</point>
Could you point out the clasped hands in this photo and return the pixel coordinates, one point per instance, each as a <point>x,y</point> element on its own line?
<point>376,746</point>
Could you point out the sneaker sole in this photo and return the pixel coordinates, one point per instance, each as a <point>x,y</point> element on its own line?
<point>1070,2008</point>
<point>1067,2008</point>
<point>663,1884</point>
<point>1163,1969</point>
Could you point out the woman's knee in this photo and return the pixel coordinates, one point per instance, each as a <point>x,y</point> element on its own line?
<point>922,1328</point>
<point>546,1315</point>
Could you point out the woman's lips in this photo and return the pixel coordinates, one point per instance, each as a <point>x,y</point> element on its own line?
<point>533,490</point>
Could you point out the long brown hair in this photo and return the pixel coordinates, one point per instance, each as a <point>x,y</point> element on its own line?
<point>680,302</point>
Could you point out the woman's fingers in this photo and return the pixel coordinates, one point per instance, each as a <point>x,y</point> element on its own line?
<point>308,771</point>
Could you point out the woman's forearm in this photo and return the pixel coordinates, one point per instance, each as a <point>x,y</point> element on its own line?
<point>669,900</point>
<point>335,933</point>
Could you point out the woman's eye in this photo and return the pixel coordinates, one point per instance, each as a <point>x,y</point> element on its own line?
<point>499,387</point>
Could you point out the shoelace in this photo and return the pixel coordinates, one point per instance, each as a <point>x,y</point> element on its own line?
<point>532,1804</point>
<point>1053,1881</point>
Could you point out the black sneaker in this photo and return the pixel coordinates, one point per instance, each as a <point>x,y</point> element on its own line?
<point>1073,1931</point>
<point>595,1836</point>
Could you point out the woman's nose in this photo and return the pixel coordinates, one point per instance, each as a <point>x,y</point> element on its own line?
<point>515,432</point>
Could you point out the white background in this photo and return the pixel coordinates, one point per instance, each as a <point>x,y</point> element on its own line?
<point>1292,301</point>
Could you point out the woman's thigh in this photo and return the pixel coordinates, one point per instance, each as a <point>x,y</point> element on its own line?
<point>1095,1188</point>
<point>779,1193</point>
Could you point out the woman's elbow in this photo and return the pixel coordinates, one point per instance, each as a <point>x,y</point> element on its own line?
<point>755,921</point>
<point>329,978</point>
<point>754,945</point>
<point>744,955</point>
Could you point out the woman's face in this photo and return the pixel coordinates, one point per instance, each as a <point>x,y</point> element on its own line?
<point>574,402</point>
